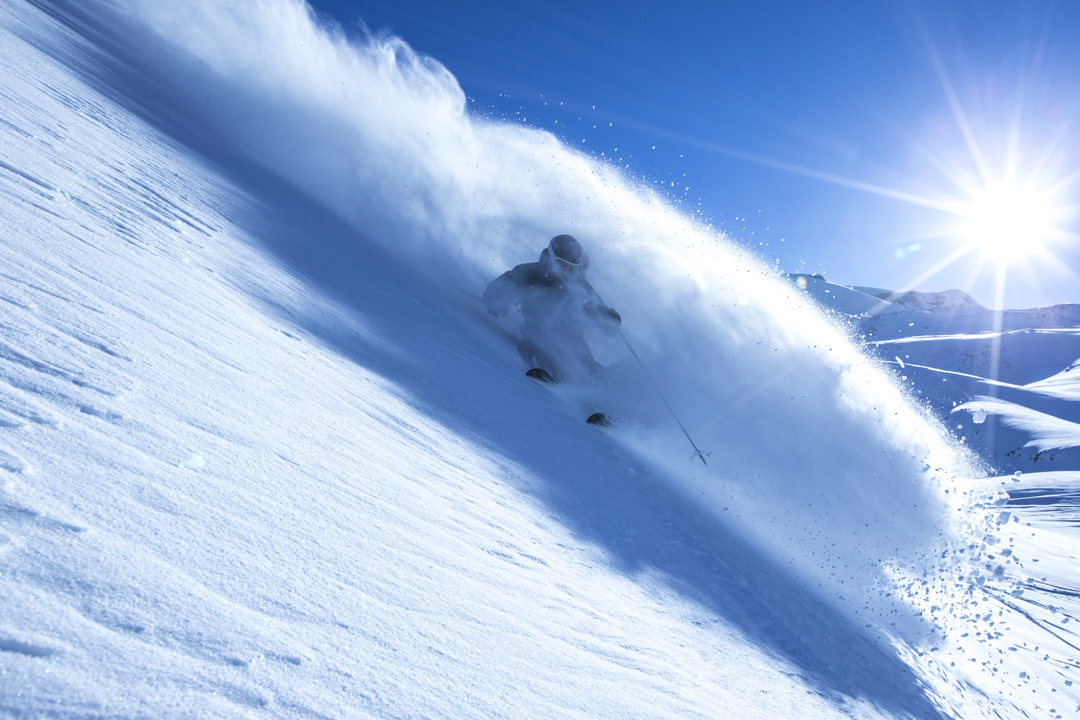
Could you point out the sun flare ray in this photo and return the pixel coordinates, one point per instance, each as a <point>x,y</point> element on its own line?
<point>961,117</point>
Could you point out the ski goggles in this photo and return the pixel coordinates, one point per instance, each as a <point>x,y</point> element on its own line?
<point>566,266</point>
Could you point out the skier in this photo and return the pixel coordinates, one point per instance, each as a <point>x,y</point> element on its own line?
<point>553,297</point>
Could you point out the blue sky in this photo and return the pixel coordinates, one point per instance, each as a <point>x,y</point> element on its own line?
<point>838,137</point>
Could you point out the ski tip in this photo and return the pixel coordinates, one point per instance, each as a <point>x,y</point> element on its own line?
<point>542,375</point>
<point>599,419</point>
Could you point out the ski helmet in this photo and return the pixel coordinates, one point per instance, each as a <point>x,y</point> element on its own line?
<point>568,250</point>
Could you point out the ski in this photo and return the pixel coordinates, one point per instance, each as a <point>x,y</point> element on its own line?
<point>596,419</point>
<point>542,375</point>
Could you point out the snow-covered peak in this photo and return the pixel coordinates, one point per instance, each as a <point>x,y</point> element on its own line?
<point>946,301</point>
<point>887,315</point>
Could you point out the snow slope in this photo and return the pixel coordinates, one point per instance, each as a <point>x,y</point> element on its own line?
<point>260,456</point>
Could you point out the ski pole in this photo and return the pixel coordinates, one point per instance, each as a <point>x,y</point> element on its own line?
<point>657,389</point>
<point>474,297</point>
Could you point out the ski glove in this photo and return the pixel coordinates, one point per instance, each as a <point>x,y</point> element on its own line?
<point>610,321</point>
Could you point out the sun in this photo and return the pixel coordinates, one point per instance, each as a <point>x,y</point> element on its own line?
<point>1007,221</point>
<point>1008,215</point>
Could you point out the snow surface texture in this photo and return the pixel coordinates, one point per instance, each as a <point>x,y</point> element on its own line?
<point>260,456</point>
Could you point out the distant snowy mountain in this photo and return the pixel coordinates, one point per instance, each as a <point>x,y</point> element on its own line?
<point>952,301</point>
<point>262,455</point>
<point>1007,383</point>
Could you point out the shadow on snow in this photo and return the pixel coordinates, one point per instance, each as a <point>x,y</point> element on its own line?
<point>463,375</point>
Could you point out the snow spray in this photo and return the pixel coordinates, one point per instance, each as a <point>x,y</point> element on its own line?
<point>816,453</point>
